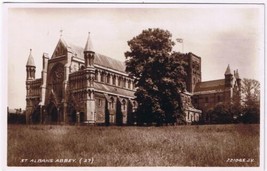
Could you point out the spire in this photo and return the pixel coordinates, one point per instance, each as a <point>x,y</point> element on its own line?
<point>228,70</point>
<point>237,74</point>
<point>89,45</point>
<point>30,61</point>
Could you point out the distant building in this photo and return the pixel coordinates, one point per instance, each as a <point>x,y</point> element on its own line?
<point>206,95</point>
<point>193,71</point>
<point>15,111</point>
<point>15,116</point>
<point>225,91</point>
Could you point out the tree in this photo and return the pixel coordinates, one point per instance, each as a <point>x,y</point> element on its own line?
<point>250,90</point>
<point>221,114</point>
<point>251,101</point>
<point>158,73</point>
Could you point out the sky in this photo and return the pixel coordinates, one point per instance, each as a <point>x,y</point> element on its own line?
<point>219,34</point>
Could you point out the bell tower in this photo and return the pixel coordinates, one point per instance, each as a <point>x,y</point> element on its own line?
<point>89,56</point>
<point>30,67</point>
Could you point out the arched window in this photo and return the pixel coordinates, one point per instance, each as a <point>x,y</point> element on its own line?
<point>96,75</point>
<point>119,81</point>
<point>112,103</point>
<point>129,84</point>
<point>102,77</point>
<point>114,80</point>
<point>124,82</point>
<point>123,104</point>
<point>108,78</point>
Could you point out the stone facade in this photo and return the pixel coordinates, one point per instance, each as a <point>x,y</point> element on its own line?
<point>78,85</point>
<point>208,94</point>
<point>192,115</point>
<point>193,70</point>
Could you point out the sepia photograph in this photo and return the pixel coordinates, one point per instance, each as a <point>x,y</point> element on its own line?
<point>134,85</point>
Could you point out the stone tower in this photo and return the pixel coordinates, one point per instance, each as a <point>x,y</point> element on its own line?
<point>30,69</point>
<point>228,77</point>
<point>193,71</point>
<point>89,56</point>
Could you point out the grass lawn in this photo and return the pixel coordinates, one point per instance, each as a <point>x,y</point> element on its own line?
<point>205,145</point>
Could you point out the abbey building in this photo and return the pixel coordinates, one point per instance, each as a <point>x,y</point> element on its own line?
<point>206,95</point>
<point>78,85</point>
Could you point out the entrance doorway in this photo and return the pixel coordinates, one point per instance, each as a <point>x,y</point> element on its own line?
<point>52,114</point>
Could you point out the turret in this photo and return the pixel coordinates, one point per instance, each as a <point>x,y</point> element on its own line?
<point>89,53</point>
<point>30,67</point>
<point>89,56</point>
<point>228,77</point>
<point>238,79</point>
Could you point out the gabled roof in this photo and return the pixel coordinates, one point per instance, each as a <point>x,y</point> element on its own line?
<point>108,62</point>
<point>61,42</point>
<point>100,59</point>
<point>216,85</point>
<point>30,61</point>
<point>65,44</point>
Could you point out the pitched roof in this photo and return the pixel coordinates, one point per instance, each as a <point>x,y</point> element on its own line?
<point>108,62</point>
<point>100,59</point>
<point>76,50</point>
<point>115,90</point>
<point>214,85</point>
<point>30,61</point>
<point>61,40</point>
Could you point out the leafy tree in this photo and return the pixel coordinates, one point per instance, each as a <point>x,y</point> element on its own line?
<point>251,91</point>
<point>158,73</point>
<point>221,114</point>
<point>251,100</point>
<point>248,111</point>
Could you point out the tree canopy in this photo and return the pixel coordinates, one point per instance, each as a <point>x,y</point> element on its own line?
<point>250,90</point>
<point>159,76</point>
<point>251,100</point>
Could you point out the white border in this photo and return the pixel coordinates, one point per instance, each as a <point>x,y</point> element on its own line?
<point>105,4</point>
